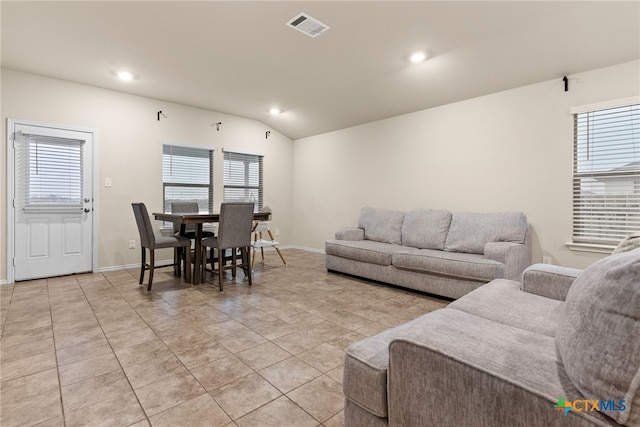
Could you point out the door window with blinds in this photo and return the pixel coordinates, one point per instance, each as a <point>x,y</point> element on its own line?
<point>54,177</point>
<point>606,174</point>
<point>187,176</point>
<point>243,178</point>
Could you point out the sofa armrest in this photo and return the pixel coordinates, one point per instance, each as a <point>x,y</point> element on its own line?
<point>350,233</point>
<point>457,369</point>
<point>551,281</point>
<point>515,257</point>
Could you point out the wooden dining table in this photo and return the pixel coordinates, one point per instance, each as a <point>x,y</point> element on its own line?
<point>200,219</point>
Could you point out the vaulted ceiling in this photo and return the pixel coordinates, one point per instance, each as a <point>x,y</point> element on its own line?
<point>239,57</point>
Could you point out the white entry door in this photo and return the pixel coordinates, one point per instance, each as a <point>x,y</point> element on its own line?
<point>52,200</point>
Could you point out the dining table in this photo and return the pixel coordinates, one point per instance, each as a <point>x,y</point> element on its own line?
<point>198,220</point>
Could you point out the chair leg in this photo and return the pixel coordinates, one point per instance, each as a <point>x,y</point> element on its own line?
<point>234,261</point>
<point>245,252</point>
<point>220,267</point>
<point>187,261</point>
<point>152,263</point>
<point>277,250</point>
<point>261,249</point>
<point>203,264</point>
<point>176,257</point>
<point>177,261</point>
<point>142,264</point>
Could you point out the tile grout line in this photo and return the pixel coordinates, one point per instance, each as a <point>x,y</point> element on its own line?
<point>55,350</point>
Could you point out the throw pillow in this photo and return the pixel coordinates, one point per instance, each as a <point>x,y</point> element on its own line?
<point>426,229</point>
<point>629,243</point>
<point>598,334</point>
<point>469,232</point>
<point>381,225</point>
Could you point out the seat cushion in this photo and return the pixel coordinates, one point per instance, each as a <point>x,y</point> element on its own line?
<point>381,225</point>
<point>426,229</point>
<point>468,266</point>
<point>361,250</point>
<point>598,337</point>
<point>171,241</point>
<point>469,232</point>
<point>502,301</point>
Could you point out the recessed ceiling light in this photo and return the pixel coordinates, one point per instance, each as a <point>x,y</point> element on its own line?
<point>417,57</point>
<point>274,111</point>
<point>125,76</point>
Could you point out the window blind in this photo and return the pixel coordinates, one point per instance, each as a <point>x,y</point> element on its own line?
<point>606,175</point>
<point>187,175</point>
<point>243,178</point>
<point>55,175</point>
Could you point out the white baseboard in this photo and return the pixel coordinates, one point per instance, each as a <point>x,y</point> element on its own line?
<point>304,248</point>
<point>162,263</point>
<point>169,262</point>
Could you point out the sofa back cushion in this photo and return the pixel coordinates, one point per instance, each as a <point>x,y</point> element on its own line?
<point>426,229</point>
<point>598,335</point>
<point>469,232</point>
<point>381,225</point>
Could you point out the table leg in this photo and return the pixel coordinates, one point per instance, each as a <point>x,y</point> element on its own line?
<point>197,263</point>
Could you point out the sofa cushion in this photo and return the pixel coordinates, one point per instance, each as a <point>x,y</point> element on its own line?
<point>469,232</point>
<point>468,266</point>
<point>361,250</point>
<point>381,225</point>
<point>426,229</point>
<point>502,301</point>
<point>598,335</point>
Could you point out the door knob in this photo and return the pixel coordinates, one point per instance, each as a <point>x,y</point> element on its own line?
<point>87,200</point>
<point>87,210</point>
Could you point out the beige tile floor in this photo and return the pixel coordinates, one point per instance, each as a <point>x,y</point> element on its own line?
<point>98,349</point>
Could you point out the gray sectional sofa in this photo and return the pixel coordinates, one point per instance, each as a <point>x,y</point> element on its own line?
<point>561,348</point>
<point>435,251</point>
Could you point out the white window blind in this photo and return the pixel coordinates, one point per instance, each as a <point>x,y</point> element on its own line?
<point>606,175</point>
<point>55,171</point>
<point>187,175</point>
<point>243,178</point>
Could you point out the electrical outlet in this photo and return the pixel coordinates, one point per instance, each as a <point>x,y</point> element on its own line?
<point>132,244</point>
<point>107,182</point>
<point>546,260</point>
<point>277,231</point>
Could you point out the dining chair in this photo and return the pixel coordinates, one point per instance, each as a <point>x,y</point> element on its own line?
<point>189,229</point>
<point>259,242</point>
<point>234,232</point>
<point>149,241</point>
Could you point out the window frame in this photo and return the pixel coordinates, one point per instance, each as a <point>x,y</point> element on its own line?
<point>247,186</point>
<point>210,185</point>
<point>586,213</point>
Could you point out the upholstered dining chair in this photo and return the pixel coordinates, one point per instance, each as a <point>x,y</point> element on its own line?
<point>234,232</point>
<point>149,241</point>
<point>189,229</point>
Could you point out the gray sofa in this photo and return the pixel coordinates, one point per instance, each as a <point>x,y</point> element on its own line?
<point>435,251</point>
<point>543,352</point>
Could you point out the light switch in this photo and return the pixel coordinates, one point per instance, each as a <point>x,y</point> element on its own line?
<point>107,182</point>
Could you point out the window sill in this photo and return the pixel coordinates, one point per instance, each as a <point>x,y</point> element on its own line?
<point>591,247</point>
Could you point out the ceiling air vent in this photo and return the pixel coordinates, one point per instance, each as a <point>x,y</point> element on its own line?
<point>308,25</point>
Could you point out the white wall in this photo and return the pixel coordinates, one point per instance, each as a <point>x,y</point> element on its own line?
<point>506,151</point>
<point>130,152</point>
